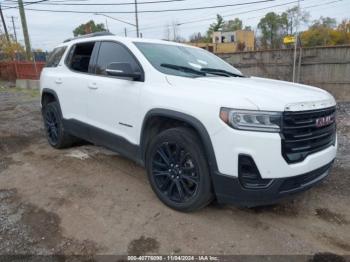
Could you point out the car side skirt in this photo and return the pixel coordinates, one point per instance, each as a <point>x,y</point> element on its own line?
<point>103,138</point>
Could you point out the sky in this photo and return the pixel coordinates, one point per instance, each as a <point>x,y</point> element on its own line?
<point>47,29</point>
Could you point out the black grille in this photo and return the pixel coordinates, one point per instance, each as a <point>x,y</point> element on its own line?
<point>302,137</point>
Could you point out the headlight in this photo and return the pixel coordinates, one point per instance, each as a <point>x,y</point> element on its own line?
<point>252,120</point>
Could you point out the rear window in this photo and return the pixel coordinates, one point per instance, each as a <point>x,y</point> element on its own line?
<point>55,56</point>
<point>79,57</point>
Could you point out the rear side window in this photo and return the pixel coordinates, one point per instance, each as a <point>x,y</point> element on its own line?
<point>111,52</point>
<point>55,56</point>
<point>80,56</point>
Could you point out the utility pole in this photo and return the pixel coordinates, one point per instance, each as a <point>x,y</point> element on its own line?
<point>137,20</point>
<point>4,24</point>
<point>125,33</point>
<point>107,25</point>
<point>25,29</point>
<point>296,43</point>
<point>14,28</point>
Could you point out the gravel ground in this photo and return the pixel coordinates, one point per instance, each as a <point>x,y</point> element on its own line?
<point>87,200</point>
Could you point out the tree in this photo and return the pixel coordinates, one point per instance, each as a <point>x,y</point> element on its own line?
<point>344,26</point>
<point>248,28</point>
<point>199,38</point>
<point>344,30</point>
<point>293,17</point>
<point>175,30</point>
<point>272,29</point>
<point>88,28</point>
<point>326,22</point>
<point>216,26</point>
<point>325,32</point>
<point>232,25</point>
<point>167,33</point>
<point>9,50</point>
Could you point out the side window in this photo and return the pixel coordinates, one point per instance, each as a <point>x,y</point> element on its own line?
<point>55,56</point>
<point>79,57</point>
<point>111,52</point>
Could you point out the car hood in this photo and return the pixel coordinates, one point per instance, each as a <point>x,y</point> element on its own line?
<point>265,94</point>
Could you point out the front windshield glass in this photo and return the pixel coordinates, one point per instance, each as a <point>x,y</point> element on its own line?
<point>185,61</point>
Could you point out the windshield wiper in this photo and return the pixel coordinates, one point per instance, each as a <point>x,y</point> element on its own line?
<point>220,72</point>
<point>184,69</point>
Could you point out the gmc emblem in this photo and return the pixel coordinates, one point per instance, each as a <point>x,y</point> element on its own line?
<point>324,121</point>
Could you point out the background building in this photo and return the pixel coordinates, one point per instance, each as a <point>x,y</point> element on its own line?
<point>229,42</point>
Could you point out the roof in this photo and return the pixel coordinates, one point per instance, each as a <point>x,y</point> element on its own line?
<point>108,36</point>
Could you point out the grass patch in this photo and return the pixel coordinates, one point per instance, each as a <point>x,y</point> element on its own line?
<point>30,92</point>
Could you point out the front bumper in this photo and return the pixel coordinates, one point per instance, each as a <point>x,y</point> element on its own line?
<point>229,190</point>
<point>266,150</point>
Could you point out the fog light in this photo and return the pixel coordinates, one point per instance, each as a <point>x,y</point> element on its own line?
<point>248,174</point>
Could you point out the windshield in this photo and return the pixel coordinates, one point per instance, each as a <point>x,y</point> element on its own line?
<point>185,61</point>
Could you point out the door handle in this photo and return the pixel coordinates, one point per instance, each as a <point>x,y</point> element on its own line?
<point>58,81</point>
<point>92,86</point>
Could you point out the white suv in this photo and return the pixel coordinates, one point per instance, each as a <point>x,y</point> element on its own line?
<point>201,128</point>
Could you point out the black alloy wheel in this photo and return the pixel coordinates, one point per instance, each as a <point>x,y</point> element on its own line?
<point>178,170</point>
<point>51,125</point>
<point>55,131</point>
<point>175,172</point>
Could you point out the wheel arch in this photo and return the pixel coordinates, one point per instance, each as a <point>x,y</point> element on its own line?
<point>179,118</point>
<point>48,95</point>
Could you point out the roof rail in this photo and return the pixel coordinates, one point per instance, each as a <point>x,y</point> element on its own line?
<point>89,35</point>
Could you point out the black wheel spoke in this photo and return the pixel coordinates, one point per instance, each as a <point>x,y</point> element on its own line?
<point>168,151</point>
<point>159,164</point>
<point>162,173</point>
<point>179,190</point>
<point>171,188</point>
<point>190,178</point>
<point>166,184</point>
<point>173,170</point>
<point>184,158</point>
<point>163,156</point>
<point>177,153</point>
<point>186,188</point>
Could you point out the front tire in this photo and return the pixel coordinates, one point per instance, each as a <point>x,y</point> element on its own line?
<point>55,133</point>
<point>178,171</point>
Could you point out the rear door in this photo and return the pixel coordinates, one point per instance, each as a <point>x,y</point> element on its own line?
<point>113,104</point>
<point>74,81</point>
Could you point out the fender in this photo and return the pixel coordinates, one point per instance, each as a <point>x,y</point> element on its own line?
<point>192,121</point>
<point>51,92</point>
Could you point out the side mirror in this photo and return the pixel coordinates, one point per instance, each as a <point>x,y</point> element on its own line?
<point>122,70</point>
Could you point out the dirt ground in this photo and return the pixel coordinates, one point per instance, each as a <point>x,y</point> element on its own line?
<point>88,200</point>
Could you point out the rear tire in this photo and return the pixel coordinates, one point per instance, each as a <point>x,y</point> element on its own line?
<point>178,171</point>
<point>55,133</point>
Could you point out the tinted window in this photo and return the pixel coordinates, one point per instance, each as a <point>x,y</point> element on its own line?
<point>55,56</point>
<point>79,57</point>
<point>111,52</point>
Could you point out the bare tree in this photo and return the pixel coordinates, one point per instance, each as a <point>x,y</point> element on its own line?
<point>175,30</point>
<point>167,33</point>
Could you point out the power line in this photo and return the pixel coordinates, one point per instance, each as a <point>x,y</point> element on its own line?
<point>259,9</point>
<point>31,3</point>
<point>147,11</point>
<point>246,12</point>
<point>101,4</point>
<point>238,13</point>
